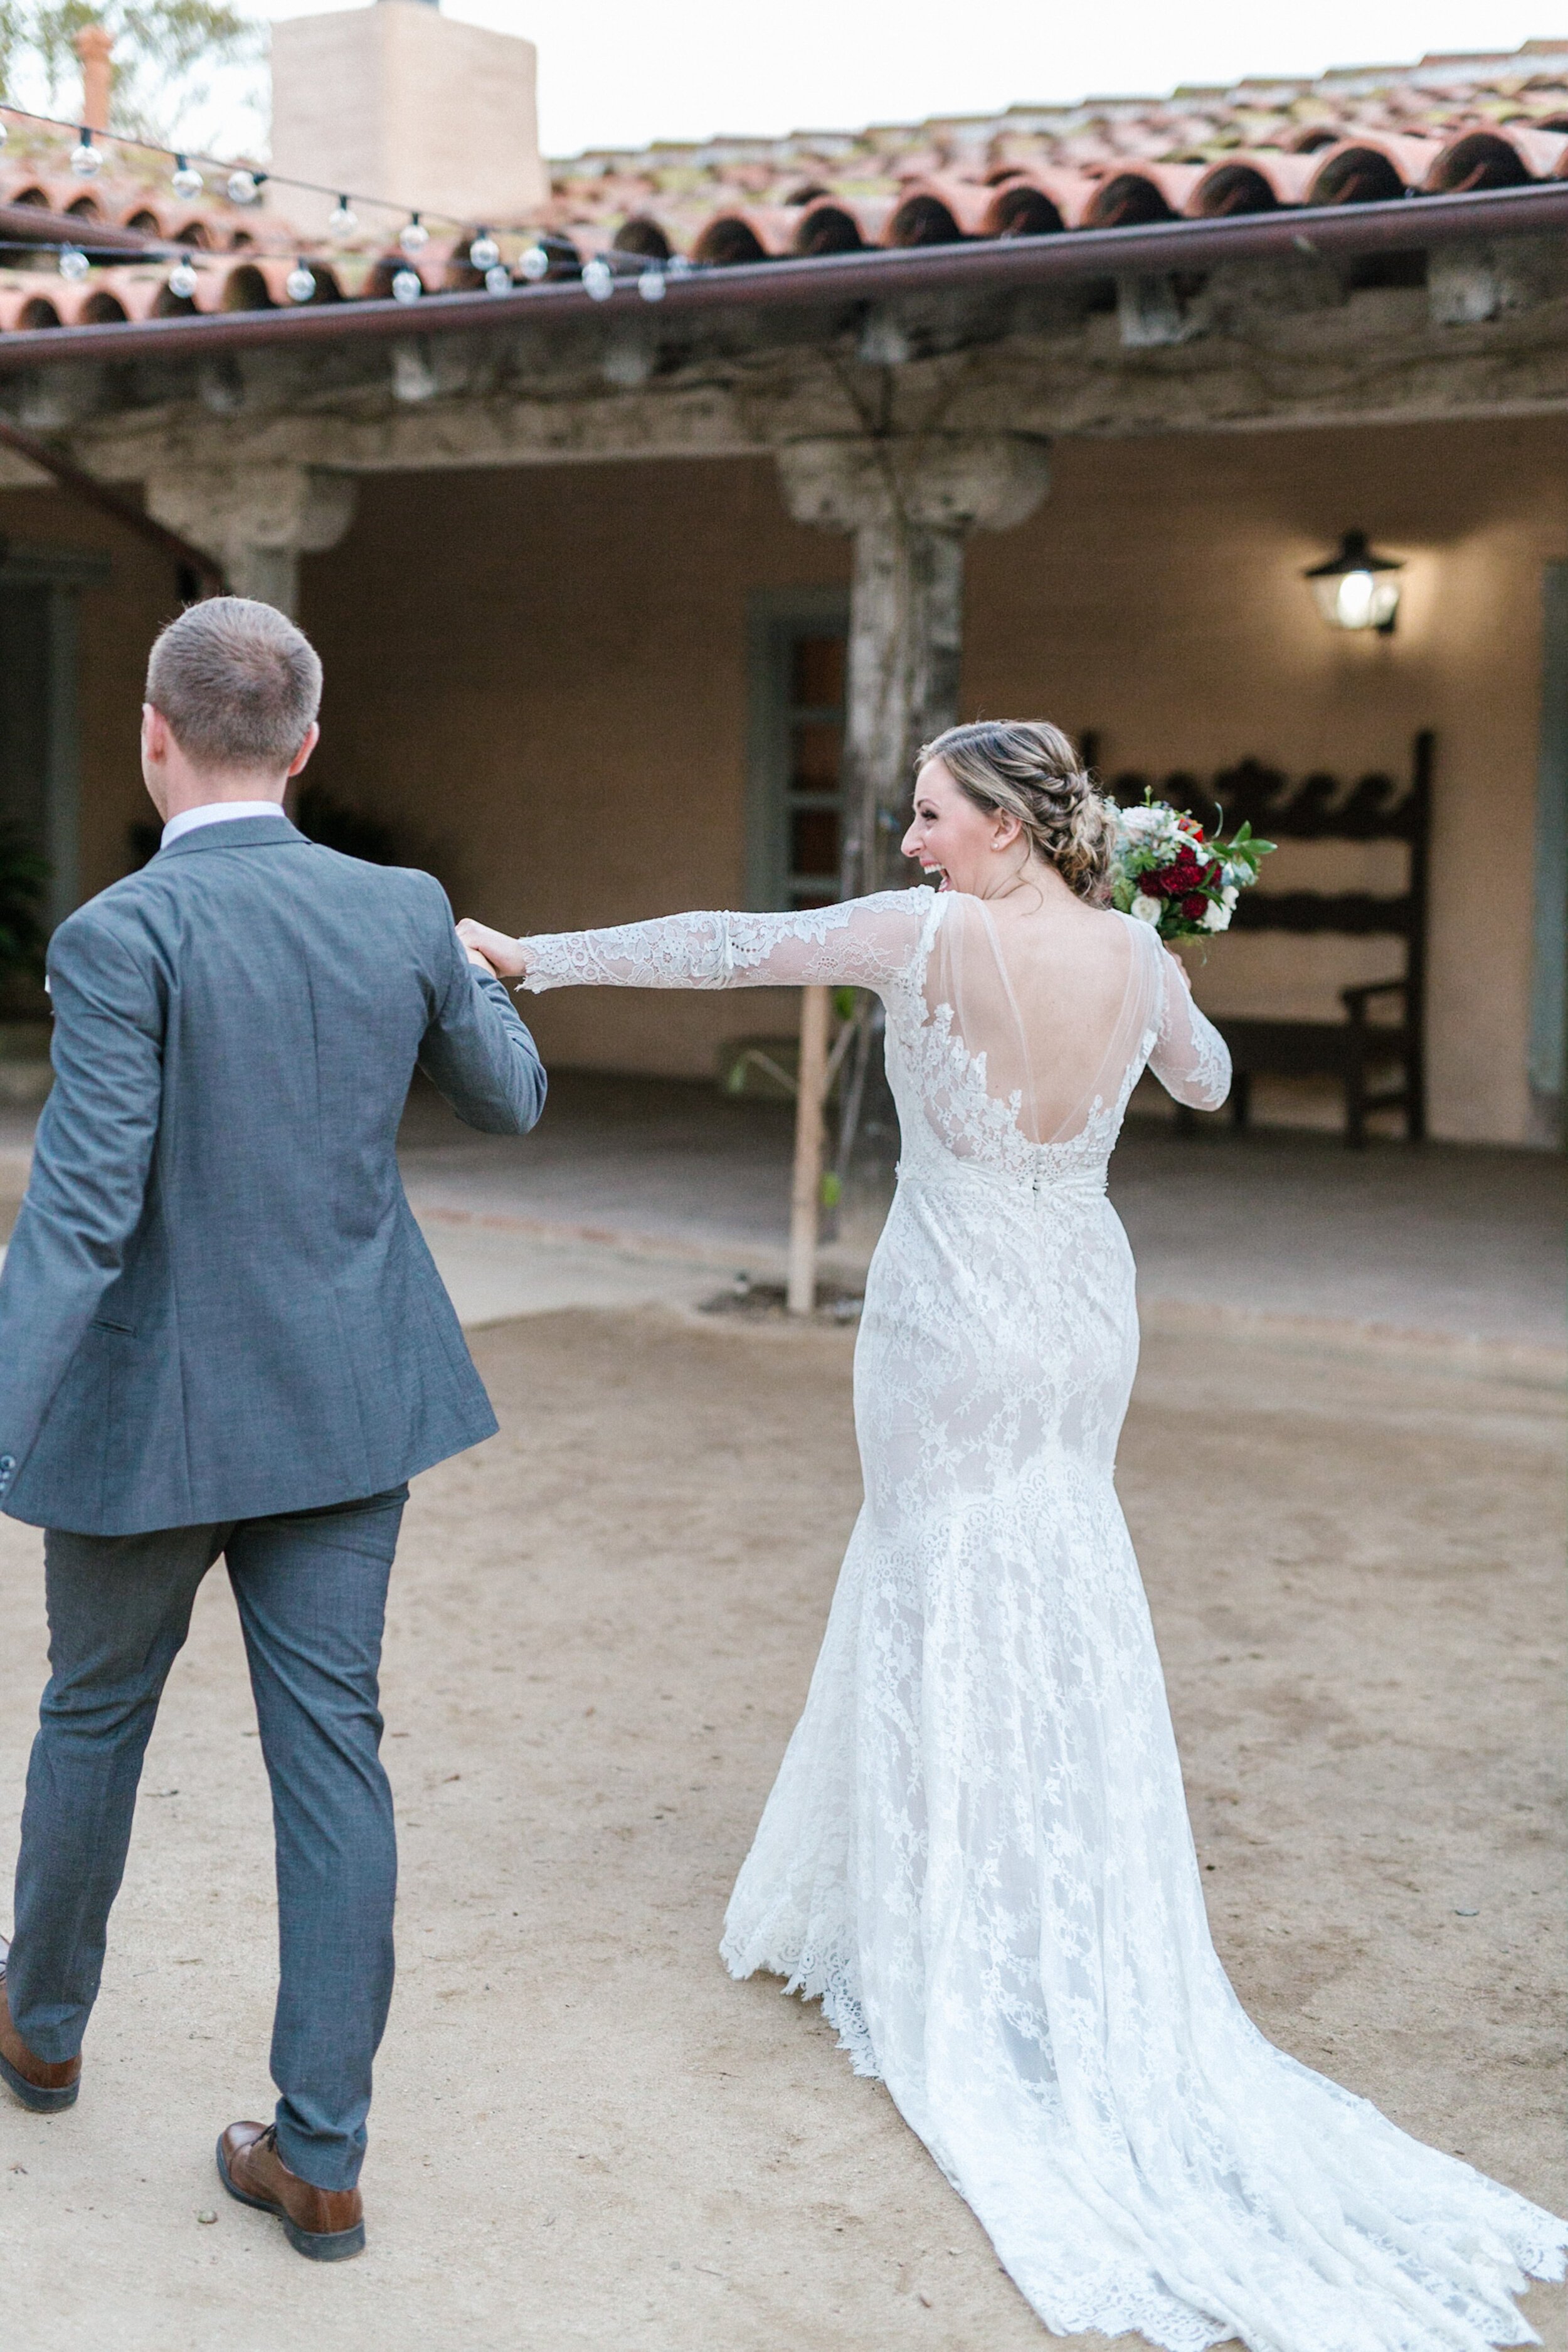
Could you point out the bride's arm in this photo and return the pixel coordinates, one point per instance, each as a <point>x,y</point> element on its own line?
<point>861,942</point>
<point>1191,1059</point>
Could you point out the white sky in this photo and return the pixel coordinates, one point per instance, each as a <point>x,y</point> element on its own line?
<point>622,72</point>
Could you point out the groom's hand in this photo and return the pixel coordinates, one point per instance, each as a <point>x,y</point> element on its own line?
<point>492,951</point>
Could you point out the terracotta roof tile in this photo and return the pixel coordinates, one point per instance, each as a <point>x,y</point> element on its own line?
<point>1354,135</point>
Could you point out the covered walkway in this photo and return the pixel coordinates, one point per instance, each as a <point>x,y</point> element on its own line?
<point>650,1187</point>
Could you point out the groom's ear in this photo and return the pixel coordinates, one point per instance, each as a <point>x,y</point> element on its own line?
<point>312,737</point>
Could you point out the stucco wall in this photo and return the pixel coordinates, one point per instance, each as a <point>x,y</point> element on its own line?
<point>545,673</point>
<point>541,676</point>
<point>1157,598</point>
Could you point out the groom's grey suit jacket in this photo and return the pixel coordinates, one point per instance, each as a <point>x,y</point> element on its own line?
<point>216,1304</point>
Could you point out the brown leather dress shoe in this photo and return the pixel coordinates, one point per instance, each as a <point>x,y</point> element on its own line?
<point>44,2087</point>
<point>327,2224</point>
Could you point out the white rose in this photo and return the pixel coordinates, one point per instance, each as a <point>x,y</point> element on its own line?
<point>1217,918</point>
<point>1142,822</point>
<point>1147,910</point>
<point>1230,894</point>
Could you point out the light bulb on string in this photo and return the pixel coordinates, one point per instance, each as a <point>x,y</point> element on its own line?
<point>534,264</point>
<point>244,187</point>
<point>413,236</point>
<point>407,286</point>
<point>678,266</point>
<point>185,180</point>
<point>74,265</point>
<point>183,279</point>
<point>650,285</point>
<point>300,284</point>
<point>344,220</point>
<point>484,252</point>
<point>598,279</point>
<point>87,163</point>
<point>498,278</point>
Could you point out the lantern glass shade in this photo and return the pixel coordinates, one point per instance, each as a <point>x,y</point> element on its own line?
<point>1357,588</point>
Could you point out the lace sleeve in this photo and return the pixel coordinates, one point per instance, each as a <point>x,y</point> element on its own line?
<point>861,942</point>
<point>1191,1059</point>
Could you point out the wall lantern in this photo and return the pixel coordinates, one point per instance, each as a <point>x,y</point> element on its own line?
<point>1357,588</point>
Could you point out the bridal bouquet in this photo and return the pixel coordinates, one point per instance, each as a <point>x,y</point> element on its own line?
<point>1165,872</point>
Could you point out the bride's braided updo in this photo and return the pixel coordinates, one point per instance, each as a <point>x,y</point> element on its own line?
<point>1027,769</point>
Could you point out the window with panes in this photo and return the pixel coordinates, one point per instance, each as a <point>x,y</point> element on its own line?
<point>813,720</point>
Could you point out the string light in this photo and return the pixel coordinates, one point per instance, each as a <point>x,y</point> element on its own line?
<point>243,185</point>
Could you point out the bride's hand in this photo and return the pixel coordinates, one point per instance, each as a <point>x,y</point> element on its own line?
<point>502,955</point>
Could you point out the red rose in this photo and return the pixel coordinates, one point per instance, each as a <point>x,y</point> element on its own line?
<point>1173,881</point>
<point>1194,909</point>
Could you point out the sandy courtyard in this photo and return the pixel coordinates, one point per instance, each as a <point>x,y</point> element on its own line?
<point>603,1626</point>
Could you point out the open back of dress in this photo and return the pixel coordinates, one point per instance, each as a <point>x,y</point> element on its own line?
<point>1051,1015</point>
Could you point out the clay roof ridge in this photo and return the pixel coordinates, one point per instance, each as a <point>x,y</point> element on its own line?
<point>1337,82</point>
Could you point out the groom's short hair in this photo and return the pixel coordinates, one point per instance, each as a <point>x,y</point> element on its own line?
<point>237,683</point>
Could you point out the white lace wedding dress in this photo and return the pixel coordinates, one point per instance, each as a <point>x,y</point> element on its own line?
<point>977,1852</point>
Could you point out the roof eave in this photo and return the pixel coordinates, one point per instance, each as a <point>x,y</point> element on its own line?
<point>874,274</point>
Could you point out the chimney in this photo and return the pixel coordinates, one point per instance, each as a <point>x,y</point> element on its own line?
<point>94,44</point>
<point>398,101</point>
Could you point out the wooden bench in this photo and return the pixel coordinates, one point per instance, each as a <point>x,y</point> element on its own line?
<point>1377,1052</point>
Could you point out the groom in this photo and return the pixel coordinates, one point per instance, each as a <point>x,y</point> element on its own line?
<point>221,1333</point>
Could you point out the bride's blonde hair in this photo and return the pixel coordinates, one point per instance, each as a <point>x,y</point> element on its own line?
<point>1027,769</point>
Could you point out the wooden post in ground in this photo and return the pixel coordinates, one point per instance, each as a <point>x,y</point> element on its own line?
<point>805,1192</point>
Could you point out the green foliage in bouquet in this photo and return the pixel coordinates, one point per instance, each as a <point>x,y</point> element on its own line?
<point>1164,870</point>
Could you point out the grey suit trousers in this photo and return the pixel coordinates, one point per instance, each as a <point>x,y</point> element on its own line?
<point>311,1592</point>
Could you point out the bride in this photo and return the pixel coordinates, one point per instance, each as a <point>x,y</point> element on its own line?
<point>977,1854</point>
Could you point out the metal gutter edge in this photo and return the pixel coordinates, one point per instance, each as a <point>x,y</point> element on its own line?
<point>34,226</point>
<point>981,264</point>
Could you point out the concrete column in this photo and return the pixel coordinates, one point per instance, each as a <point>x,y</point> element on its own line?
<point>257,520</point>
<point>910,500</point>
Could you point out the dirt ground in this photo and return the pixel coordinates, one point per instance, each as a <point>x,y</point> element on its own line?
<point>584,2133</point>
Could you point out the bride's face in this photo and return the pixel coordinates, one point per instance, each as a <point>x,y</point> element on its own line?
<point>954,839</point>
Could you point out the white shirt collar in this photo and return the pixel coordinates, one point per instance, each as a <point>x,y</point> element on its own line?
<point>216,812</point>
